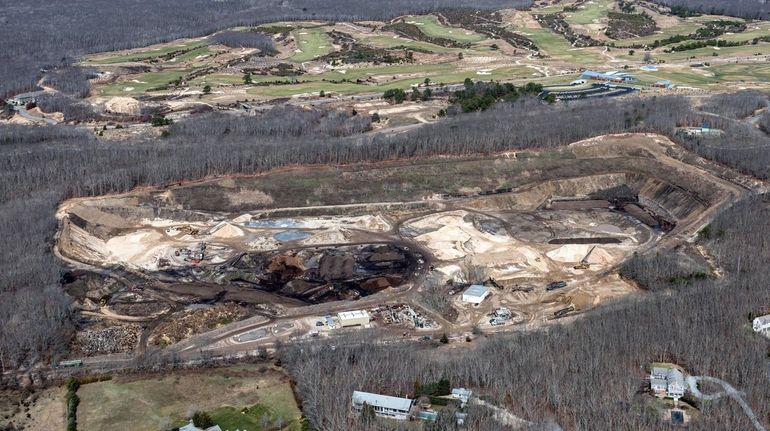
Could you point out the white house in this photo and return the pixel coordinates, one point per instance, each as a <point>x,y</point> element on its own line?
<point>353,318</point>
<point>24,98</point>
<point>384,405</point>
<point>667,382</point>
<point>761,323</point>
<point>475,294</point>
<point>191,427</point>
<point>462,394</point>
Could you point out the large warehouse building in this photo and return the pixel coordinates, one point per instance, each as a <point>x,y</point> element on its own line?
<point>353,318</point>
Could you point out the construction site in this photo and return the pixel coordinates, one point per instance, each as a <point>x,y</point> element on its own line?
<point>162,267</point>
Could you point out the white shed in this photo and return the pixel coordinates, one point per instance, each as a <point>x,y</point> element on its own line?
<point>475,294</point>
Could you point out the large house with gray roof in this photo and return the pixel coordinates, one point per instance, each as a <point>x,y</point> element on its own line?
<point>384,405</point>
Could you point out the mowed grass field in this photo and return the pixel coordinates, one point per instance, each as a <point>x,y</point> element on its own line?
<point>590,12</point>
<point>311,43</point>
<point>144,54</point>
<point>430,25</point>
<point>153,403</point>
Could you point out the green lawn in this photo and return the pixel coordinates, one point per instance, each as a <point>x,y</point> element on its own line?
<point>276,410</point>
<point>590,12</point>
<point>312,42</point>
<point>555,45</point>
<point>439,73</point>
<point>393,42</point>
<point>144,55</point>
<point>430,25</point>
<point>151,404</point>
<point>144,82</point>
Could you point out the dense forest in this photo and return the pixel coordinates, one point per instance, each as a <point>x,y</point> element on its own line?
<point>37,36</point>
<point>750,9</point>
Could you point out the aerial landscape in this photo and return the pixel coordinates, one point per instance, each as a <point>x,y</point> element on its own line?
<point>294,215</point>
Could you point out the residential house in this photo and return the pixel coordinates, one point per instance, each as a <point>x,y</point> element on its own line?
<point>384,405</point>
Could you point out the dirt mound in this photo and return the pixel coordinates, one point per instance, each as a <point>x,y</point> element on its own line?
<point>337,266</point>
<point>226,230</point>
<point>375,284</point>
<point>194,321</point>
<point>115,339</point>
<point>122,105</point>
<point>286,267</point>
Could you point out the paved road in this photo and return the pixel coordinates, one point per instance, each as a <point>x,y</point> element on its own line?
<point>27,115</point>
<point>729,391</point>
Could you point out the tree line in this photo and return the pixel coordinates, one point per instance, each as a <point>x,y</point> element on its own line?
<point>749,9</point>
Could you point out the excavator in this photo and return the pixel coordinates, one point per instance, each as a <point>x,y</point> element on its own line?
<point>584,264</point>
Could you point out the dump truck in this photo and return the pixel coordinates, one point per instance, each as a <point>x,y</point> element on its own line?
<point>556,285</point>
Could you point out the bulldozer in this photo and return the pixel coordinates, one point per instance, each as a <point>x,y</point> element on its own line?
<point>584,264</point>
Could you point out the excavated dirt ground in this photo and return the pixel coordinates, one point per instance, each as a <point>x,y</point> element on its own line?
<point>189,258</point>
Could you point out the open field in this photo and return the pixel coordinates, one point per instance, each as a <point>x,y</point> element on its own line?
<point>311,43</point>
<point>145,53</point>
<point>152,403</point>
<point>430,25</point>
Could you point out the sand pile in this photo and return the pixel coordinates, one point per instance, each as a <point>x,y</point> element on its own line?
<point>123,105</point>
<point>226,230</point>
<point>570,252</point>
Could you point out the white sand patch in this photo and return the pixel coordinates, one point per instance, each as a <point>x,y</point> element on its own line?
<point>342,71</point>
<point>138,81</point>
<point>333,236</point>
<point>242,218</point>
<point>569,253</point>
<point>303,32</point>
<point>135,248</point>
<point>128,88</point>
<point>297,50</point>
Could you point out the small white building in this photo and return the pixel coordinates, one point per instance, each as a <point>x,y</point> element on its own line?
<point>761,323</point>
<point>667,382</point>
<point>475,294</point>
<point>353,318</point>
<point>384,405</point>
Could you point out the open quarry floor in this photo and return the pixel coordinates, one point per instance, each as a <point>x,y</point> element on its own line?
<point>230,264</point>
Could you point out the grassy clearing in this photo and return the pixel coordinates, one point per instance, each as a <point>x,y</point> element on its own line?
<point>147,54</point>
<point>152,403</point>
<point>276,410</point>
<point>389,42</point>
<point>405,76</point>
<point>144,82</point>
<point>312,42</point>
<point>430,25</point>
<point>590,12</point>
<point>759,72</point>
<point>556,46</point>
